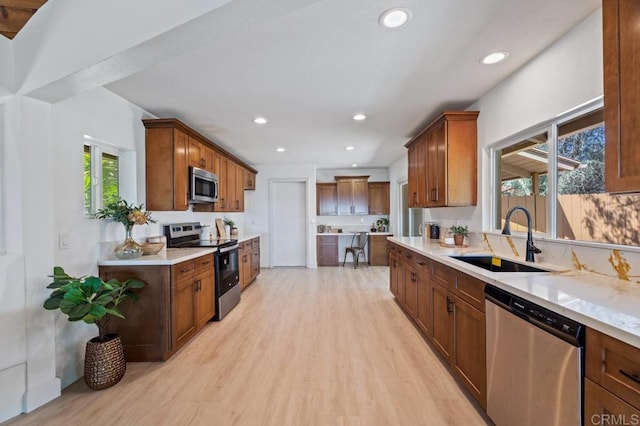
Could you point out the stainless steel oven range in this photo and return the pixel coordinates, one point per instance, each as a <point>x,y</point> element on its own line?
<point>227,268</point>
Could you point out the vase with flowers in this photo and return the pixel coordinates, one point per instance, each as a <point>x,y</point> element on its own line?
<point>129,215</point>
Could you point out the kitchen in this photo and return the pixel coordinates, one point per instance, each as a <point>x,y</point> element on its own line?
<point>515,104</point>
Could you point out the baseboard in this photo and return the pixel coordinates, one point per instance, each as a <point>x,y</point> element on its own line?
<point>12,391</point>
<point>41,394</point>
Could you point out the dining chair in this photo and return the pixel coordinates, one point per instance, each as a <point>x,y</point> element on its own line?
<point>358,241</point>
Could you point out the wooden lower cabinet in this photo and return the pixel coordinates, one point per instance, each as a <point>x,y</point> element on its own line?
<point>469,352</point>
<point>176,302</point>
<point>601,407</point>
<point>448,307</point>
<point>378,250</point>
<point>612,385</point>
<point>327,250</point>
<point>441,324</point>
<point>249,258</point>
<point>411,289</point>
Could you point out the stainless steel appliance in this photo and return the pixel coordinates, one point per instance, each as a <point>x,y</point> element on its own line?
<point>535,363</point>
<point>203,186</point>
<point>227,267</point>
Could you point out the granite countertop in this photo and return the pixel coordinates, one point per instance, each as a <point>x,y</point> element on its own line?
<point>603,303</point>
<point>166,256</point>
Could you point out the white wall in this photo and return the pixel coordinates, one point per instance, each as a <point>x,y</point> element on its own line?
<point>107,117</point>
<point>398,173</point>
<point>257,216</point>
<point>565,75</point>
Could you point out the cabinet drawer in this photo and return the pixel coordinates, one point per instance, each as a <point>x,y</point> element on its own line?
<point>183,270</point>
<point>600,405</point>
<point>443,274</point>
<point>255,243</point>
<point>470,290</point>
<point>614,365</point>
<point>424,265</point>
<point>204,263</point>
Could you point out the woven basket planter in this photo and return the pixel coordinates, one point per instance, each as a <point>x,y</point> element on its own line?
<point>104,363</point>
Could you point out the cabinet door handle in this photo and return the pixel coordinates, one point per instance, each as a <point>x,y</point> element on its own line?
<point>237,204</point>
<point>184,271</point>
<point>632,377</point>
<point>449,305</point>
<point>421,263</point>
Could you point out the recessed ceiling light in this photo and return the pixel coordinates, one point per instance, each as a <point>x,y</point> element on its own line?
<point>359,117</point>
<point>260,120</point>
<point>395,17</point>
<point>349,148</point>
<point>494,58</point>
<point>280,149</point>
<point>354,165</point>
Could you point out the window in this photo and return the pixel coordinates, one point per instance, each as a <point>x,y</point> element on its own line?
<point>556,170</point>
<point>101,177</point>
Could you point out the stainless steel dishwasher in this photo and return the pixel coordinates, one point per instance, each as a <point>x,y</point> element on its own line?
<point>535,363</point>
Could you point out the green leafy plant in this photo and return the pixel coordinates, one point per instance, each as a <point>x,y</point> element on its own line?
<point>229,222</point>
<point>383,221</point>
<point>89,298</point>
<point>459,230</point>
<point>125,213</point>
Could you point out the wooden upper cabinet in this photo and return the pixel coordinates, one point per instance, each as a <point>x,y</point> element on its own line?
<point>443,162</point>
<point>353,195</point>
<point>166,169</point>
<point>621,47</point>
<point>249,180</point>
<point>379,198</point>
<point>326,199</point>
<point>170,148</point>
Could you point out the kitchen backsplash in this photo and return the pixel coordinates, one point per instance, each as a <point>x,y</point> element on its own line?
<point>611,261</point>
<point>349,223</point>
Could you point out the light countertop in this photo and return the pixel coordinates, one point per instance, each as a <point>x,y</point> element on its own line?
<point>351,233</point>
<point>166,256</point>
<point>603,303</point>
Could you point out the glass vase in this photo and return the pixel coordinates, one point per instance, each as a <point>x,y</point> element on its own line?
<point>129,249</point>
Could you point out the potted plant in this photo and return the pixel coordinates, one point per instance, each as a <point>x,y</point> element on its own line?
<point>230,225</point>
<point>94,301</point>
<point>129,215</point>
<point>382,223</point>
<point>459,232</point>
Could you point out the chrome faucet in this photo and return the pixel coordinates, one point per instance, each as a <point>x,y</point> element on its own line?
<point>531,249</point>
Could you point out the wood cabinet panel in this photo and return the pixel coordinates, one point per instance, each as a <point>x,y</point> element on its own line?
<point>184,312</point>
<point>205,302</point>
<point>441,325</point>
<point>378,250</point>
<point>327,247</point>
<point>621,47</point>
<point>146,329</point>
<point>614,365</point>
<point>393,273</point>
<point>470,289</point>
<point>379,198</point>
<point>326,199</point>
<point>469,350</point>
<point>423,313</point>
<point>353,195</point>
<point>602,407</point>
<point>239,189</point>
<point>411,289</point>
<point>249,180</point>
<point>443,162</point>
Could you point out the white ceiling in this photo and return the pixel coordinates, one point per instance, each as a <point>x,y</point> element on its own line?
<point>311,70</point>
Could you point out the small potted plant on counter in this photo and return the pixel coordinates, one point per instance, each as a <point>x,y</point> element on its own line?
<point>459,232</point>
<point>230,226</point>
<point>94,301</point>
<point>382,223</point>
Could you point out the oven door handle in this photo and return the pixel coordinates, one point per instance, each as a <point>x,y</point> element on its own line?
<point>226,249</point>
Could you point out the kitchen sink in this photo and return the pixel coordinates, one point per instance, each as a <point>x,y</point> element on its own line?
<point>498,264</point>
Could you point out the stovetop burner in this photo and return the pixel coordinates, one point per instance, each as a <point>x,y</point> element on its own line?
<point>182,235</point>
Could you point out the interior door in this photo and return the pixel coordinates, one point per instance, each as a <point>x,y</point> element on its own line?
<point>289,223</point>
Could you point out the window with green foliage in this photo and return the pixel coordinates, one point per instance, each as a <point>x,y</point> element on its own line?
<point>101,178</point>
<point>556,170</point>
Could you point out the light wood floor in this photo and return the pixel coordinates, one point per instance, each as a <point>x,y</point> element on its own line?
<point>305,347</point>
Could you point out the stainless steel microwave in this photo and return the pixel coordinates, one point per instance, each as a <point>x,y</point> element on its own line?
<point>203,186</point>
